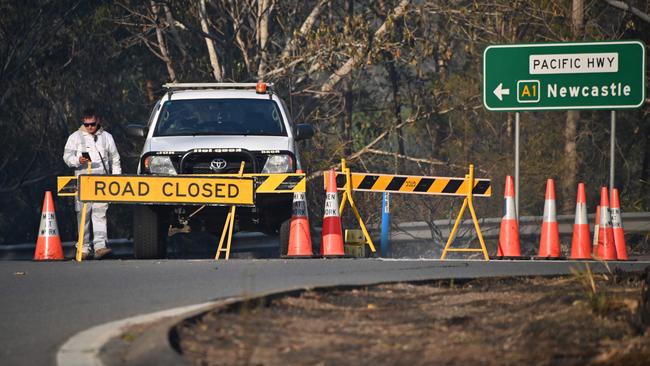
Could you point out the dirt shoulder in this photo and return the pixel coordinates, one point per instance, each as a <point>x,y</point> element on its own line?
<point>540,321</point>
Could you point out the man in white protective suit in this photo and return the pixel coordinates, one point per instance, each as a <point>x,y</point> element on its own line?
<point>92,144</point>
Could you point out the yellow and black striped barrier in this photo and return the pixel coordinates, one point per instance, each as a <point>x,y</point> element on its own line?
<point>279,183</point>
<point>264,183</point>
<point>66,186</point>
<point>413,184</point>
<point>350,182</point>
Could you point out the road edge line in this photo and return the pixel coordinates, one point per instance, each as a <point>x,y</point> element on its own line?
<point>83,348</point>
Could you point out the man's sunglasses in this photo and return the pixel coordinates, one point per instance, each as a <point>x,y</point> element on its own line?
<point>90,124</point>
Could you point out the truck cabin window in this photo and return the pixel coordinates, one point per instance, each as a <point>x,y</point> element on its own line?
<point>258,117</point>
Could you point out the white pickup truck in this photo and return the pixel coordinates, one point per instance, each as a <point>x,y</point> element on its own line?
<point>210,128</point>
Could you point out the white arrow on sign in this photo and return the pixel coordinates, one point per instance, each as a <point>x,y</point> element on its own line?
<point>500,92</point>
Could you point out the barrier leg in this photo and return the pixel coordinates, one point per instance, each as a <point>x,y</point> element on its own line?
<point>347,196</point>
<point>80,240</point>
<point>230,230</point>
<point>82,225</point>
<point>228,226</point>
<point>226,229</point>
<point>478,231</point>
<point>453,230</point>
<point>363,226</point>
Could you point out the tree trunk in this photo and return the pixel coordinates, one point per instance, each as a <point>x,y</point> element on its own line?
<point>645,168</point>
<point>161,43</point>
<point>214,59</point>
<point>397,101</point>
<point>570,179</point>
<point>151,97</point>
<point>348,8</point>
<point>174,30</point>
<point>263,14</point>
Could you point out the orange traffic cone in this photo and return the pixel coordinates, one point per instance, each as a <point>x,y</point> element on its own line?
<point>606,247</point>
<point>299,236</point>
<point>617,227</point>
<point>48,245</point>
<point>332,242</point>
<point>509,246</point>
<point>581,244</point>
<point>549,242</point>
<point>596,230</point>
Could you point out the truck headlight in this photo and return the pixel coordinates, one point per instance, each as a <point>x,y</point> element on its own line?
<point>278,164</point>
<point>160,165</point>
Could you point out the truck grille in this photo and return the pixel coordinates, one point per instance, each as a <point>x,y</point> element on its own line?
<point>218,163</point>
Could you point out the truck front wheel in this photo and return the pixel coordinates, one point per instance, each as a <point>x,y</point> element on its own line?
<point>283,237</point>
<point>150,228</point>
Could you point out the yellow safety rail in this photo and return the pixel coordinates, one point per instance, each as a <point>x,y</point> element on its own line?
<point>413,184</point>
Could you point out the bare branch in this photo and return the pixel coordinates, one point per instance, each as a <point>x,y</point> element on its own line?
<point>353,61</point>
<point>306,27</point>
<point>625,6</point>
<point>416,160</point>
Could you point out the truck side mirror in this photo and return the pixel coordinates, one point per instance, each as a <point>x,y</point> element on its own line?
<point>136,130</point>
<point>304,132</point>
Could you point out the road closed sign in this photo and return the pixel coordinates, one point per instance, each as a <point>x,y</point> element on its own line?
<point>166,189</point>
<point>561,76</point>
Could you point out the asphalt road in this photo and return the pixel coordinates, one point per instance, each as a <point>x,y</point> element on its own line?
<point>45,303</point>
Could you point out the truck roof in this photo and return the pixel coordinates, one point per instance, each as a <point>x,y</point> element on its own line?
<point>216,94</point>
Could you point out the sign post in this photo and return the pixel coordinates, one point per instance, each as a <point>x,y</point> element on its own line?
<point>564,76</point>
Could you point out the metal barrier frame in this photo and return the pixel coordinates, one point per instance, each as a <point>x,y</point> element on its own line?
<point>347,196</point>
<point>467,202</point>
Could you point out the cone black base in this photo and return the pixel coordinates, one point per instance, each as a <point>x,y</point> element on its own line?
<point>299,256</point>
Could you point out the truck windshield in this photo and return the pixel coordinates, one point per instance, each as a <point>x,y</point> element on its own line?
<point>220,117</point>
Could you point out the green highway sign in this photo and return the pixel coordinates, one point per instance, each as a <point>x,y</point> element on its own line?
<point>560,76</point>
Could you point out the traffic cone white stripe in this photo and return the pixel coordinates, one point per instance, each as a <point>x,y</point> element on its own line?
<point>581,214</point>
<point>48,226</point>
<point>596,227</point>
<point>605,217</point>
<point>549,211</point>
<point>331,205</point>
<point>299,205</point>
<point>617,223</point>
<point>509,209</point>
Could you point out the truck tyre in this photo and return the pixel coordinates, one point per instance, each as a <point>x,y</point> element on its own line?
<point>150,229</point>
<point>283,237</point>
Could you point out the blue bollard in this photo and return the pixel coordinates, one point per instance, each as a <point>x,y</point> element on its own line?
<point>385,224</point>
